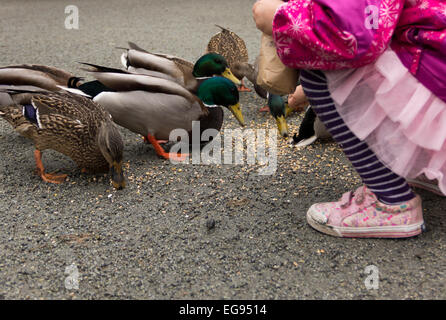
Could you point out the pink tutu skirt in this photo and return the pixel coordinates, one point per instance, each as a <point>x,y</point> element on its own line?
<point>402,121</point>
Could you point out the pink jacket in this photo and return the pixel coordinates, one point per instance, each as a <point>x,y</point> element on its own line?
<point>337,34</point>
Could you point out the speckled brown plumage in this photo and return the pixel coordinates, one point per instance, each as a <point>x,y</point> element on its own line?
<point>230,46</point>
<point>68,124</point>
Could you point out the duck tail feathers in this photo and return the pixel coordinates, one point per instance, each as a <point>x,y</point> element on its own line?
<point>134,46</point>
<point>222,28</point>
<point>306,129</point>
<point>93,88</point>
<point>98,68</point>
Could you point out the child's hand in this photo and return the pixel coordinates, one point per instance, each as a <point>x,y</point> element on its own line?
<point>297,100</point>
<point>263,13</point>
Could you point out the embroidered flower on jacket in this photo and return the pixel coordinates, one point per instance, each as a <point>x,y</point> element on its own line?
<point>298,24</point>
<point>388,13</point>
<point>424,5</point>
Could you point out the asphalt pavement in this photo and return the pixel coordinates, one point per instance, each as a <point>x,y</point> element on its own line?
<point>184,231</point>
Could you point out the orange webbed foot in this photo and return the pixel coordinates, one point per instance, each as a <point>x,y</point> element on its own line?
<point>47,177</point>
<point>243,88</point>
<point>264,109</point>
<point>53,178</point>
<point>163,154</point>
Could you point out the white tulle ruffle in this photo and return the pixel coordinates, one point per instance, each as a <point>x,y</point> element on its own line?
<point>402,121</point>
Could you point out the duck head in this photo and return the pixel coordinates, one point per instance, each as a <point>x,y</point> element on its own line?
<point>213,64</point>
<point>111,146</point>
<point>244,69</point>
<point>221,92</point>
<point>278,109</point>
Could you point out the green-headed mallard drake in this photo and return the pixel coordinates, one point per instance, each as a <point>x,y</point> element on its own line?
<point>279,110</point>
<point>233,48</point>
<point>139,61</point>
<point>153,107</point>
<point>70,124</point>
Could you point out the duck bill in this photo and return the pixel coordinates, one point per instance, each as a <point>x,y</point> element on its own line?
<point>237,112</point>
<point>282,126</point>
<point>229,75</point>
<point>117,175</point>
<point>288,110</point>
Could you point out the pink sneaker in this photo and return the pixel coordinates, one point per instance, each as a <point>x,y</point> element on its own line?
<point>361,215</point>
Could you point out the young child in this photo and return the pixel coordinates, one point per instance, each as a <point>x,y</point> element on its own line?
<point>375,74</point>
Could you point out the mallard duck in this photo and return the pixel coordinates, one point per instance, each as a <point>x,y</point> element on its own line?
<point>70,124</point>
<point>139,61</point>
<point>153,107</point>
<point>311,129</point>
<point>233,48</point>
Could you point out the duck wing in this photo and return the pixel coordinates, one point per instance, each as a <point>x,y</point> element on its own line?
<point>179,61</point>
<point>55,120</point>
<point>166,66</point>
<point>40,76</point>
<point>145,104</point>
<point>122,81</point>
<point>77,108</point>
<point>146,112</point>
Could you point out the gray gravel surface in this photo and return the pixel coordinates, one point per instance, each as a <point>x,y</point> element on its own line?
<point>183,231</point>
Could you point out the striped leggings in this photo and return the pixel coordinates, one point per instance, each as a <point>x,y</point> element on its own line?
<point>386,185</point>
